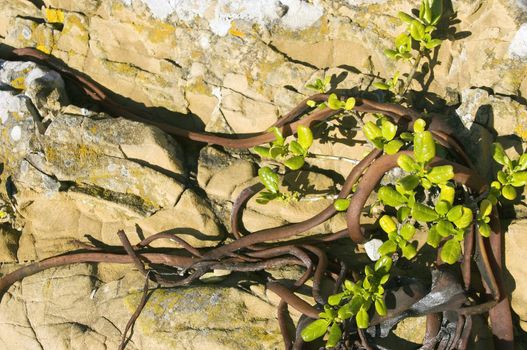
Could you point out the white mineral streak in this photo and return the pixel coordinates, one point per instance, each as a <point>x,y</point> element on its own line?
<point>292,14</point>
<point>372,249</point>
<point>16,133</point>
<point>518,46</point>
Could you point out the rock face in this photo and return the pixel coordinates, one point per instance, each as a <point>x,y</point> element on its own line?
<point>229,66</point>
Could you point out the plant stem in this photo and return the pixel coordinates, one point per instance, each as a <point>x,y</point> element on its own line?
<point>411,75</point>
<point>327,156</point>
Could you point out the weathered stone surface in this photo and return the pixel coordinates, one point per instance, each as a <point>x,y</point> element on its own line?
<point>8,244</point>
<point>515,242</point>
<point>67,308</point>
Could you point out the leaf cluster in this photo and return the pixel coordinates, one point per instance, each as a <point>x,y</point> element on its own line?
<point>512,175</point>
<point>381,134</point>
<point>355,300</point>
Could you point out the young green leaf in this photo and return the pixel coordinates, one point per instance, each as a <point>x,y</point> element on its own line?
<point>387,224</point>
<point>335,298</point>
<point>409,251</point>
<point>433,43</point>
<point>371,131</point>
<point>403,43</point>
<point>451,251</point>
<point>341,204</point>
<point>350,103</point>
<point>424,147</point>
<point>393,146</point>
<point>445,228</point>
<point>311,103</point>
<point>305,136</point>
<point>417,30</point>
<point>508,192</point>
<point>485,207</point>
<point>262,151</point>
<point>484,229</point>
<point>447,193</point>
<point>442,207</point>
<point>387,248</point>
<point>334,102</point>
<point>276,151</point>
<point>379,85</point>
<point>362,318</point>
<point>441,174</point>
<point>335,333</point>
<point>421,212</point>
<point>498,153</point>
<point>295,163</point>
<point>405,17</point>
<point>433,237</point>
<point>380,307</point>
<point>391,197</point>
<point>466,218</point>
<point>519,179</point>
<point>315,330</point>
<point>437,11</point>
<point>409,182</point>
<point>269,179</point>
<point>403,213</point>
<point>407,231</point>
<point>296,149</point>
<point>279,138</point>
<point>455,213</point>
<point>384,264</point>
<point>419,125</point>
<point>407,163</point>
<point>388,130</point>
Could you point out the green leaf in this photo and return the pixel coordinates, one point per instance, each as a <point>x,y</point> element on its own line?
<point>334,102</point>
<point>295,163</point>
<point>433,237</point>
<point>424,147</point>
<point>266,197</point>
<point>381,86</point>
<point>433,43</point>
<point>262,151</point>
<point>485,207</point>
<point>407,163</point>
<point>384,279</point>
<point>445,228</point>
<point>276,151</point>
<point>380,307</point>
<point>279,138</point>
<point>407,231</point>
<point>393,146</point>
<point>409,182</point>
<point>502,177</point>
<point>384,264</point>
<point>387,248</point>
<point>455,213</point>
<point>315,330</point>
<point>387,224</point>
<point>466,219</point>
<point>403,43</point>
<point>296,149</point>
<point>405,17</point>
<point>388,130</point>
<point>421,212</point>
<point>484,229</point>
<point>519,179</point>
<point>522,162</point>
<point>305,136</point>
<point>335,333</point>
<point>451,251</point>
<point>335,298</point>
<point>409,251</point>
<point>311,103</point>
<point>447,194</point>
<point>371,131</point>
<point>341,204</point>
<point>344,311</point>
<point>350,103</point>
<point>427,16</point>
<point>392,54</point>
<point>437,11</point>
<point>407,136</point>
<point>391,197</point>
<point>403,213</point>
<point>442,207</point>
<point>419,125</point>
<point>508,192</point>
<point>441,174</point>
<point>269,179</point>
<point>362,318</point>
<point>355,304</point>
<point>417,30</point>
<point>498,153</point>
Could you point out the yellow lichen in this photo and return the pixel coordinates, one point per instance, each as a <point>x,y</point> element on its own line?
<point>44,48</point>
<point>234,31</point>
<point>18,83</point>
<point>161,32</point>
<point>199,87</point>
<point>54,15</point>
<point>521,131</point>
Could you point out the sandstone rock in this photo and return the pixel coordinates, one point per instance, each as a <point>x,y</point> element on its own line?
<point>8,244</point>
<point>515,242</point>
